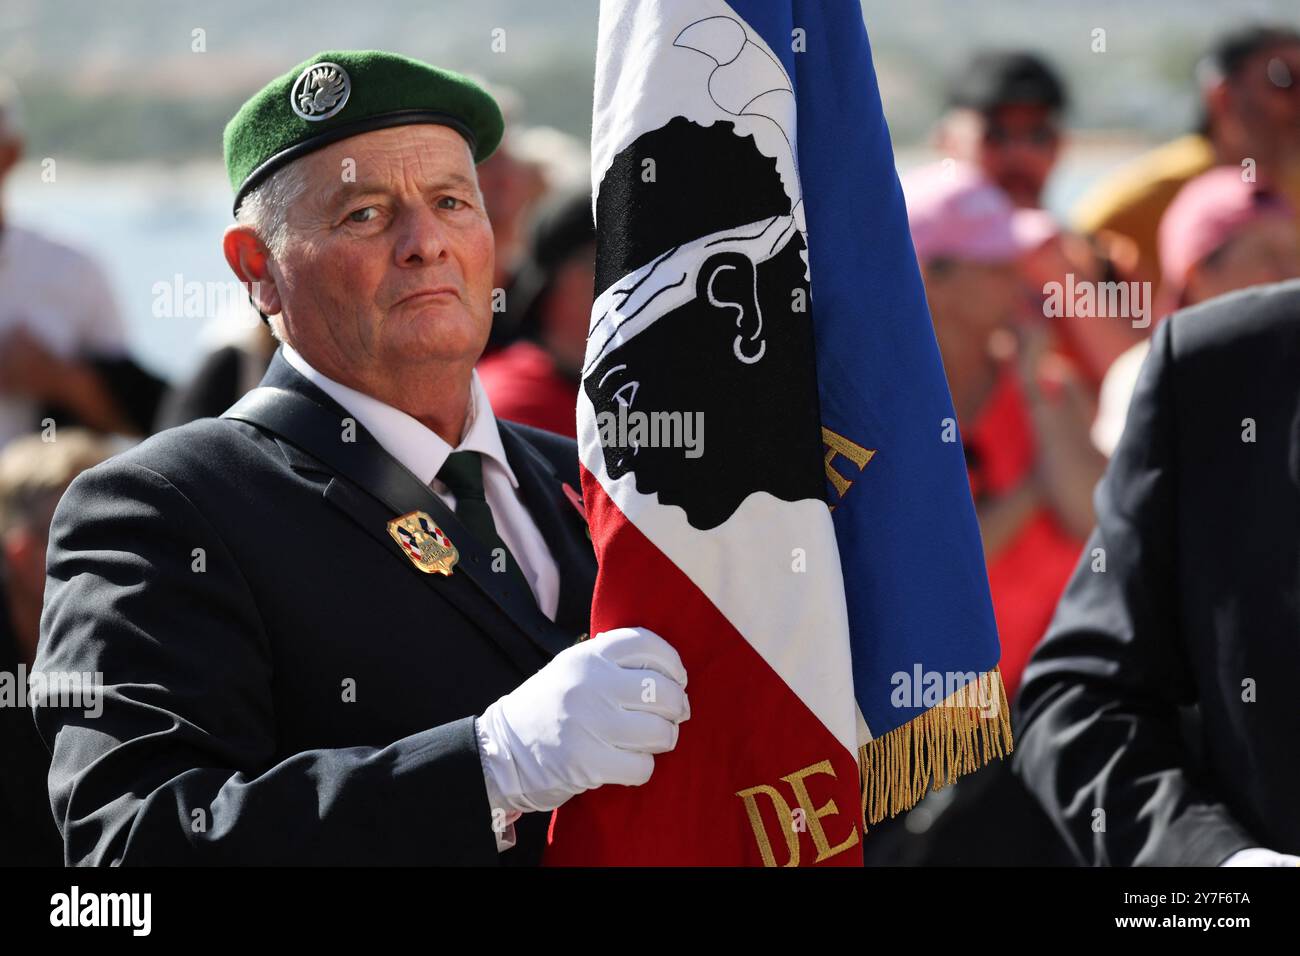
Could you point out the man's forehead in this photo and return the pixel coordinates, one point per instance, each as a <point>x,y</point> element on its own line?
<point>419,177</point>
<point>424,145</point>
<point>1018,111</point>
<point>427,156</point>
<point>1287,52</point>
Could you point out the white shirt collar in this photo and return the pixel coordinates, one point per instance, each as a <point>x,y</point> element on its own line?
<point>415,445</point>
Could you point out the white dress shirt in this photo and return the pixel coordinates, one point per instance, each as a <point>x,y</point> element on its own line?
<point>423,452</point>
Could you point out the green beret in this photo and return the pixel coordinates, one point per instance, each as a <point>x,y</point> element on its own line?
<point>341,93</point>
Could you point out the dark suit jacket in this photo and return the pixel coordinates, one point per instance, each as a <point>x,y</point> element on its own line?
<point>1133,703</point>
<point>227,735</point>
<point>28,836</point>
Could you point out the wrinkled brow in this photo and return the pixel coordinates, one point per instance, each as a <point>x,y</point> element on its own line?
<point>349,191</point>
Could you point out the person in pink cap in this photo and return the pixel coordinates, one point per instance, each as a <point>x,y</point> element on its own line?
<point>1024,443</point>
<point>1022,415</point>
<point>1220,234</point>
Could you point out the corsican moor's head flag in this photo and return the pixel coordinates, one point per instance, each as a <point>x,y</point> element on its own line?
<point>770,464</point>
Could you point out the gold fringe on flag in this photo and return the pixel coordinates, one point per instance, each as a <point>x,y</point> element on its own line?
<point>936,747</point>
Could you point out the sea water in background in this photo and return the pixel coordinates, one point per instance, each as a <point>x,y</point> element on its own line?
<point>155,231</point>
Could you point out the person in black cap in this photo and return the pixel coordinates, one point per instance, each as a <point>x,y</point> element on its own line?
<point>345,622</point>
<point>1004,116</point>
<point>534,380</point>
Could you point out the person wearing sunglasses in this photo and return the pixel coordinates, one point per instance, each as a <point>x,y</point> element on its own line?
<point>1250,117</point>
<point>1005,111</point>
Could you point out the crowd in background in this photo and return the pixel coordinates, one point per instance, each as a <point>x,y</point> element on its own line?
<point>1040,378</point>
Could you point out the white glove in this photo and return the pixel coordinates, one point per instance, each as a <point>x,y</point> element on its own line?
<point>596,714</point>
<point>1258,856</point>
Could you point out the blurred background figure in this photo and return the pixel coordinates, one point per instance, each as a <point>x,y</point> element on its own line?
<point>1143,725</point>
<point>234,365</point>
<point>33,476</point>
<point>563,160</point>
<point>532,164</point>
<point>534,380</point>
<point>1005,117</point>
<point>1221,234</point>
<point>1023,418</point>
<point>510,184</point>
<point>1060,258</point>
<point>62,343</point>
<point>1250,95</point>
<point>1022,412</point>
<point>1218,235</point>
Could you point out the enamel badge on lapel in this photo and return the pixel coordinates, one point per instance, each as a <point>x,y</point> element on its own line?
<point>424,543</point>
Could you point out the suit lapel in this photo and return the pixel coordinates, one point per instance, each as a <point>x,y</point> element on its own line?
<point>512,619</point>
<point>459,588</point>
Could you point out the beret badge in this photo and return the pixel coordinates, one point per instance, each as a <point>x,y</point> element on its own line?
<point>320,91</point>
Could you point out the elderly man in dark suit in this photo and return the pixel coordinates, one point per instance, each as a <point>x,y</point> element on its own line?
<point>342,623</point>
<point>1159,722</point>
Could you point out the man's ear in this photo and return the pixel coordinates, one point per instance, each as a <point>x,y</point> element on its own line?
<point>250,260</point>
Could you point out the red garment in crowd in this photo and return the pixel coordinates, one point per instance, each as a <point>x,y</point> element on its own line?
<point>524,386</point>
<point>1027,576</point>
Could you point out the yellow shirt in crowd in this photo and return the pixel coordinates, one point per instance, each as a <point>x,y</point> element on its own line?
<point>1132,200</point>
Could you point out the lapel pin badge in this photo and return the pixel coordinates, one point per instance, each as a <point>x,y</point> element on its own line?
<point>424,543</point>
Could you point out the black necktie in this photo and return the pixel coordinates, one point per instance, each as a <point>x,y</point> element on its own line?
<point>462,473</point>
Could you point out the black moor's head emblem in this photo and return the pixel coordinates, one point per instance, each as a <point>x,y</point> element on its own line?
<point>703,306</point>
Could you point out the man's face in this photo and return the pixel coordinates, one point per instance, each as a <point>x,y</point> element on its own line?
<point>977,297</point>
<point>1265,94</point>
<point>567,314</point>
<point>391,271</point>
<point>1016,146</point>
<point>1263,252</point>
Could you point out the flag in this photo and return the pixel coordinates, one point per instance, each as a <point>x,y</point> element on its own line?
<point>770,464</point>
